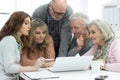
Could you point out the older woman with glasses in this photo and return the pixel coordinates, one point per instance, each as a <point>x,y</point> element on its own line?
<point>56,15</point>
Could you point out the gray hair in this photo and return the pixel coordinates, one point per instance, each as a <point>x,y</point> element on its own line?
<point>80,16</point>
<point>105,29</point>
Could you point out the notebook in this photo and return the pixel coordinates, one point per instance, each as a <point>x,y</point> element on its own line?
<point>71,63</point>
<point>42,74</point>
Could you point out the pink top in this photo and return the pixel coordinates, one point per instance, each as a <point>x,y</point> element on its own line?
<point>114,55</point>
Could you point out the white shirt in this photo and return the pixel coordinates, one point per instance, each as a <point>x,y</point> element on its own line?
<point>9,58</point>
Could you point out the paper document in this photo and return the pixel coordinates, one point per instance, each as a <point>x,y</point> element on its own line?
<point>42,74</point>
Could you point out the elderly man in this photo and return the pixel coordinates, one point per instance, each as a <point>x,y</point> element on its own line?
<point>56,15</point>
<point>80,43</point>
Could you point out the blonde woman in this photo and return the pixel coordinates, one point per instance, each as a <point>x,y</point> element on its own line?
<point>40,45</point>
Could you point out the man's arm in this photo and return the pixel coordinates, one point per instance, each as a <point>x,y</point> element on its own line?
<point>40,12</point>
<point>65,33</point>
<point>73,52</point>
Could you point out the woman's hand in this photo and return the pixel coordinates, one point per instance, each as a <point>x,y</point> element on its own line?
<point>48,63</point>
<point>103,62</point>
<point>40,61</point>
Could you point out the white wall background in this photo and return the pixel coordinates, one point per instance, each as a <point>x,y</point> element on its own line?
<point>95,8</point>
<point>91,7</point>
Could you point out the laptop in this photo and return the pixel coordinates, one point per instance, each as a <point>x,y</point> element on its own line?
<point>71,63</point>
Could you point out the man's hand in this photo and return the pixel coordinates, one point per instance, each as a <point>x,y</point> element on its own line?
<point>80,42</point>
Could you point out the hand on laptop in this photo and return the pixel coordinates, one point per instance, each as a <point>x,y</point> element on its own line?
<point>48,63</point>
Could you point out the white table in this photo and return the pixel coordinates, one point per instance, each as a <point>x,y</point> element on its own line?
<point>81,75</point>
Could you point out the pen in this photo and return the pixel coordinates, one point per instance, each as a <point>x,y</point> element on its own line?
<point>51,77</point>
<point>49,59</point>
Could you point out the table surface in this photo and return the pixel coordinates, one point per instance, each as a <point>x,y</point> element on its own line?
<point>83,75</point>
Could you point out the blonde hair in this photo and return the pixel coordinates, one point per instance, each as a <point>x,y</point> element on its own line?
<point>38,23</point>
<point>104,28</point>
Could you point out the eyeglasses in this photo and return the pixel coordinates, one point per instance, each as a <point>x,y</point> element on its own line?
<point>57,13</point>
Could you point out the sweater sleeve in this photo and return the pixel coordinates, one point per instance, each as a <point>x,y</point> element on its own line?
<point>41,12</point>
<point>25,61</point>
<point>65,33</point>
<point>91,51</point>
<point>73,52</point>
<point>114,56</point>
<point>11,56</point>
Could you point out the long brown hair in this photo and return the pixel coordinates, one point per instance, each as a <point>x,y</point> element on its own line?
<point>13,24</point>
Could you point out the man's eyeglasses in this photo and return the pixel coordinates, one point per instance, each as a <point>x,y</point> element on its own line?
<point>57,13</point>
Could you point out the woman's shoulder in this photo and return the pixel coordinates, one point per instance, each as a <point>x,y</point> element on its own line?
<point>50,38</point>
<point>8,41</point>
<point>9,38</point>
<point>116,40</point>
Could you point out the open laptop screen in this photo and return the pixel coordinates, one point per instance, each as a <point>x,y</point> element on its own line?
<point>72,63</point>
